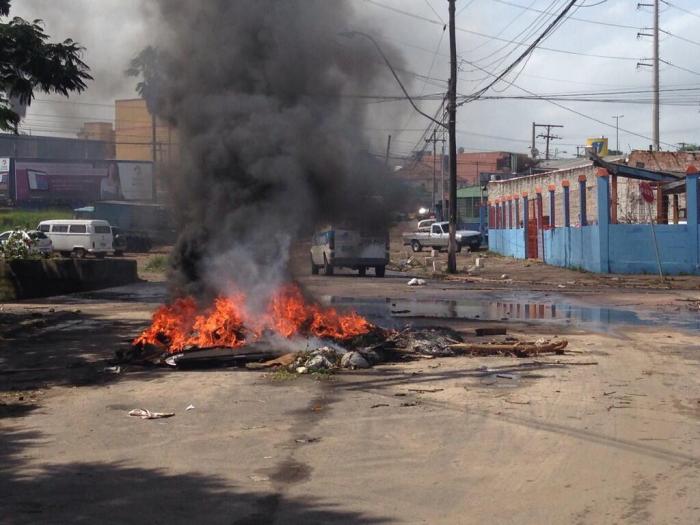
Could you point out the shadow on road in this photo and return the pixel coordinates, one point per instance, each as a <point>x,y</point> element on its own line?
<point>119,493</point>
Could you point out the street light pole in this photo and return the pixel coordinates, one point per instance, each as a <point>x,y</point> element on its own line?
<point>617,131</point>
<point>452,108</point>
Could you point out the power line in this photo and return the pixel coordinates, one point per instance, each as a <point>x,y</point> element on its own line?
<point>550,28</point>
<point>575,112</point>
<point>484,35</point>
<point>674,6</point>
<point>434,11</point>
<point>679,67</point>
<point>585,20</point>
<point>464,7</point>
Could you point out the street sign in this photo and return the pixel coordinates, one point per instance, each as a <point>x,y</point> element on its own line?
<point>646,191</point>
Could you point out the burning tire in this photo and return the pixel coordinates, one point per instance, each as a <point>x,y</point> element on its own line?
<point>379,271</point>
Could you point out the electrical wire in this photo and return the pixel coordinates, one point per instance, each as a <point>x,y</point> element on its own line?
<point>585,20</point>
<point>687,11</point>
<point>551,27</point>
<point>571,110</point>
<point>484,35</point>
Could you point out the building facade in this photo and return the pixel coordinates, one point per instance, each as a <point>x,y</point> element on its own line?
<point>134,133</point>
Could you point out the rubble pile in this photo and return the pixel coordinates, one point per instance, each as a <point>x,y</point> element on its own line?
<point>298,336</point>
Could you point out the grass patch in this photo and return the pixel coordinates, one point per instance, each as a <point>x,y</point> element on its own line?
<point>282,374</point>
<point>323,375</point>
<point>19,219</point>
<point>157,264</point>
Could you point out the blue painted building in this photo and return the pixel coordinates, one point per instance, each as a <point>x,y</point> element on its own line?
<point>596,243</point>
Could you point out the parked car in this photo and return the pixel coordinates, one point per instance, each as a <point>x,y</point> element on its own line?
<point>119,242</point>
<point>438,237</point>
<point>424,225</point>
<point>333,248</point>
<point>37,242</point>
<point>77,238</point>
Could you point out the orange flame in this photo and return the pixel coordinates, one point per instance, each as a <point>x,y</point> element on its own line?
<point>227,323</point>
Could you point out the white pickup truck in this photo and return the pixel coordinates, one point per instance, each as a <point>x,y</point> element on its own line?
<point>439,236</point>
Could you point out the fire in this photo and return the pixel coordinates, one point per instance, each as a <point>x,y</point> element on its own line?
<point>227,323</point>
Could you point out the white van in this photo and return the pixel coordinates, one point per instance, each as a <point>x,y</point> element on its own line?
<point>77,238</point>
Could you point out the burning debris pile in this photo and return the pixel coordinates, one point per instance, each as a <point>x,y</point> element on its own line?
<point>288,322</point>
<point>299,336</point>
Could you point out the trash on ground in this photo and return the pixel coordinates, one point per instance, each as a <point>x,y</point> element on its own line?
<point>147,414</point>
<point>416,282</point>
<point>305,441</point>
<point>283,360</point>
<point>190,407</point>
<point>493,330</point>
<point>517,401</point>
<point>516,348</point>
<point>259,478</point>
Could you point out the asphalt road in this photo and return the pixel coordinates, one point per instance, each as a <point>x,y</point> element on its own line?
<point>609,434</point>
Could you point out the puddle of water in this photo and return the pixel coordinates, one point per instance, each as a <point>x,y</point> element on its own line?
<point>516,307</point>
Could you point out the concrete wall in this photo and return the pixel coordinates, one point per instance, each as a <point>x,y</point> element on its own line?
<point>632,249</point>
<point>577,248</point>
<point>617,248</point>
<point>508,242</point>
<point>24,279</point>
<point>631,208</point>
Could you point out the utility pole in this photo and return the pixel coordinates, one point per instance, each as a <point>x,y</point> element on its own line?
<point>442,176</point>
<point>388,150</point>
<point>657,145</point>
<point>655,67</point>
<point>154,171</point>
<point>617,131</point>
<point>452,108</point>
<point>434,141</point>
<point>547,136</point>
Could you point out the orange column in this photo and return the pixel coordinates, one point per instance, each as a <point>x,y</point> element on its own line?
<point>613,200</point>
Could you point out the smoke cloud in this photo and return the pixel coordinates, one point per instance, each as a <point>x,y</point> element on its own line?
<point>265,98</point>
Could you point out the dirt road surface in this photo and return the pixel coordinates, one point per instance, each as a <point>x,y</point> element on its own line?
<point>608,434</point>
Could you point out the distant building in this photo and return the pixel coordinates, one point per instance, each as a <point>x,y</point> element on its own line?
<point>472,169</point>
<point>58,148</point>
<point>471,207</point>
<point>134,135</point>
<point>673,161</point>
<point>100,131</point>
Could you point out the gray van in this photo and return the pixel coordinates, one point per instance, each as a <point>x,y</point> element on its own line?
<point>344,248</point>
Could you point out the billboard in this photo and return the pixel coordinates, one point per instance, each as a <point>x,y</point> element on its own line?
<point>599,145</point>
<point>80,182</point>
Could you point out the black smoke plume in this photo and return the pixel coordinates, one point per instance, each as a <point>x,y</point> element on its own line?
<point>266,96</point>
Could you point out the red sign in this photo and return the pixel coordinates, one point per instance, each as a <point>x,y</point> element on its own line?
<point>646,191</point>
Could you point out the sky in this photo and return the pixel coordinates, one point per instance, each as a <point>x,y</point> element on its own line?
<point>586,56</point>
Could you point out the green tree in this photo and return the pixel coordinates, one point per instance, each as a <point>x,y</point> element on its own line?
<point>148,66</point>
<point>29,62</point>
